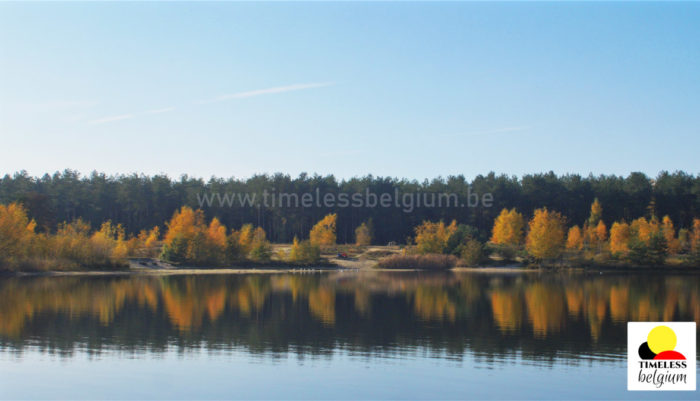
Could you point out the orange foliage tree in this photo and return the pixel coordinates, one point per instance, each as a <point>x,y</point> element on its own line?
<point>695,239</point>
<point>619,238</point>
<point>152,237</point>
<point>644,229</point>
<point>189,239</point>
<point>601,232</point>
<point>216,233</point>
<point>185,223</point>
<point>594,230</point>
<point>669,233</point>
<point>574,239</point>
<point>72,245</point>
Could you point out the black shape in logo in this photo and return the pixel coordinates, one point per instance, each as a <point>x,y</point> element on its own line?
<point>645,352</point>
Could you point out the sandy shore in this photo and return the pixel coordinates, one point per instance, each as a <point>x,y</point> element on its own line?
<point>295,270</point>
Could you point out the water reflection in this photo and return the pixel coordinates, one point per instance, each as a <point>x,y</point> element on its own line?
<point>494,316</point>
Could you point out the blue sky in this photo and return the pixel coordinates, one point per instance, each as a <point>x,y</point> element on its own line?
<point>410,90</point>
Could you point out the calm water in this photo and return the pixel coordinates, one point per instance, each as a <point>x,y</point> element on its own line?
<point>331,335</point>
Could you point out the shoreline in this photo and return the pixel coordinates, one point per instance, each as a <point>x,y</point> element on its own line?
<point>327,269</point>
<point>170,272</point>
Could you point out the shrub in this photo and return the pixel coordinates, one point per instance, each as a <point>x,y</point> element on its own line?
<point>176,250</point>
<point>304,252</point>
<point>463,234</point>
<point>233,251</point>
<point>364,233</point>
<point>261,251</point>
<point>651,252</point>
<point>433,237</point>
<point>506,251</point>
<point>471,252</point>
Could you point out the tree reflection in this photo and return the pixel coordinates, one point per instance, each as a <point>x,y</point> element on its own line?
<point>487,314</point>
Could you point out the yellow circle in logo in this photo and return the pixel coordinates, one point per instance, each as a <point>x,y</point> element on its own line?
<point>661,338</point>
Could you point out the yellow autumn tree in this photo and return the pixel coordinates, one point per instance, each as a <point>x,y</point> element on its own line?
<point>295,250</point>
<point>16,233</point>
<point>152,238</point>
<point>619,238</point>
<point>323,233</point>
<point>594,230</point>
<point>508,228</point>
<point>245,238</point>
<point>71,242</point>
<point>574,239</point>
<point>143,244</point>
<point>669,233</point>
<point>364,233</point>
<point>432,237</point>
<point>186,239</point>
<point>545,237</point>
<point>599,236</point>
<point>185,223</point>
<point>109,243</point>
<point>695,237</point>
<point>259,235</point>
<point>596,213</point>
<point>594,236</point>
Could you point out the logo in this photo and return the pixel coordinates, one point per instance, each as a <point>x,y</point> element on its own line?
<point>660,345</point>
<point>661,356</point>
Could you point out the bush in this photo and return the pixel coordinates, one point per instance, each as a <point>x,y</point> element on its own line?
<point>176,250</point>
<point>304,252</point>
<point>471,252</point>
<point>506,251</point>
<point>364,233</point>
<point>233,251</point>
<point>651,253</point>
<point>425,262</point>
<point>432,237</point>
<point>460,237</point>
<point>261,251</point>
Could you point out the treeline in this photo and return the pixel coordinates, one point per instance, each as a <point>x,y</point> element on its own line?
<point>547,240</point>
<point>138,202</point>
<point>189,239</point>
<point>74,245</point>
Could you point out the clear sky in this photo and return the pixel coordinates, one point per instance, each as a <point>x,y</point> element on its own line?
<point>409,90</point>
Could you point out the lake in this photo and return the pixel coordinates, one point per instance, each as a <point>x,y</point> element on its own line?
<point>339,335</point>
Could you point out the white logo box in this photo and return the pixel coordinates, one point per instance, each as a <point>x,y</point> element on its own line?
<point>664,373</point>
